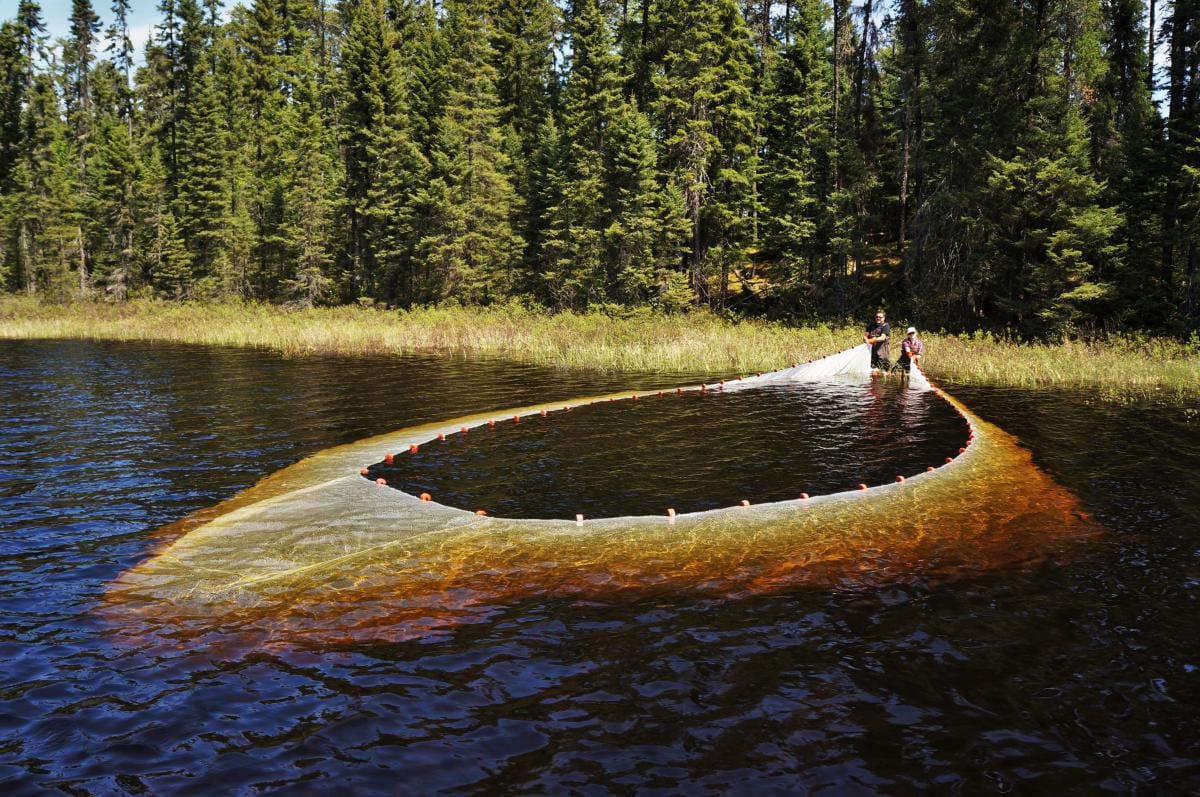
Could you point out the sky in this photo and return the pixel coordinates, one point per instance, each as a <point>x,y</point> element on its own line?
<point>143,14</point>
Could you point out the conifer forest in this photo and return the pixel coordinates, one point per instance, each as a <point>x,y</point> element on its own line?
<point>1027,166</point>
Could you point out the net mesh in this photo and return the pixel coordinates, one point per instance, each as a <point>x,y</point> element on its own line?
<point>316,537</point>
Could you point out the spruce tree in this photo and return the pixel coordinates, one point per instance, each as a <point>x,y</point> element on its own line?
<point>383,165</point>
<point>524,35</point>
<point>112,177</point>
<point>309,194</point>
<point>263,34</point>
<point>166,263</point>
<point>1127,157</point>
<point>470,250</point>
<point>605,232</point>
<point>797,143</point>
<point>200,205</point>
<point>706,109</point>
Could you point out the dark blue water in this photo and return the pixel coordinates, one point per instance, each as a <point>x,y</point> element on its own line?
<point>1078,674</point>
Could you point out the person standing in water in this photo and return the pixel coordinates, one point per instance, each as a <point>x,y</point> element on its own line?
<point>911,350</point>
<point>877,337</point>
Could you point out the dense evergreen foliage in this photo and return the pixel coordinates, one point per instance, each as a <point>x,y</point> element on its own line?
<point>997,165</point>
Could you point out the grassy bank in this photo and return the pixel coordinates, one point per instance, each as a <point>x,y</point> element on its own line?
<point>1120,367</point>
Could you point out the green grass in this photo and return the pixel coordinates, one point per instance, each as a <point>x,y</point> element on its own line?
<point>1129,367</point>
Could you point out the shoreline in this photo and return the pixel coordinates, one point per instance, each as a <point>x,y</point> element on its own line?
<point>1123,368</point>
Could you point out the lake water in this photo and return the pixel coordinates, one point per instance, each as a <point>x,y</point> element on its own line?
<point>1075,672</point>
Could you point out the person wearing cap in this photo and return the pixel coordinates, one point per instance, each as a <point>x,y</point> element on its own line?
<point>877,336</point>
<point>911,350</point>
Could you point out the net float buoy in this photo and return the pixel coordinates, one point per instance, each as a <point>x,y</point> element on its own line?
<point>670,515</point>
<point>441,437</point>
<point>578,520</point>
<point>464,430</point>
<point>364,472</point>
<point>804,496</point>
<point>745,502</point>
<point>381,482</point>
<point>929,469</point>
<point>949,460</point>
<point>900,479</point>
<point>678,391</point>
<point>962,450</point>
<point>481,512</point>
<point>413,448</point>
<point>634,397</point>
<point>543,413</point>
<point>660,394</point>
<point>389,458</point>
<point>516,419</point>
<point>862,486</point>
<point>491,423</point>
<point>426,497</point>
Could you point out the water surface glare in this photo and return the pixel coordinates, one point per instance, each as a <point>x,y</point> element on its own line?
<point>1073,670</point>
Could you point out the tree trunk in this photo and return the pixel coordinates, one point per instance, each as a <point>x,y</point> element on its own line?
<point>837,89</point>
<point>1150,47</point>
<point>1189,304</point>
<point>860,68</point>
<point>84,277</point>
<point>26,258</point>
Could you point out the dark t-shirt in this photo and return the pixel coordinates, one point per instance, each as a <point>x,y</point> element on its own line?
<point>874,330</point>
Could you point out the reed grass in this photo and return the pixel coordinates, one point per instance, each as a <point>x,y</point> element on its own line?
<point>1120,367</point>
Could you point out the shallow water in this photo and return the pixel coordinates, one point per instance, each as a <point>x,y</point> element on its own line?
<point>1079,671</point>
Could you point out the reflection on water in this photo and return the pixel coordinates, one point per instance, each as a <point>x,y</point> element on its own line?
<point>1075,671</point>
<point>690,451</point>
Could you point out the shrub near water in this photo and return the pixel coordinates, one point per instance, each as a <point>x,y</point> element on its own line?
<point>636,341</point>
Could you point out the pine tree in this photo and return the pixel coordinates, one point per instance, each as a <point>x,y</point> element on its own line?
<point>264,34</point>
<point>165,260</point>
<point>308,195</point>
<point>42,203</point>
<point>706,108</point>
<point>1049,241</point>
<point>604,239</point>
<point>200,206</point>
<point>523,37</point>
<point>1180,267</point>
<point>21,140</point>
<point>470,249</point>
<point>1127,157</point>
<point>12,99</point>
<point>77,69</point>
<point>383,165</point>
<point>796,181</point>
<point>1050,249</point>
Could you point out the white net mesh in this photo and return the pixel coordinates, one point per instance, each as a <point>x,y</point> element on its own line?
<point>854,363</point>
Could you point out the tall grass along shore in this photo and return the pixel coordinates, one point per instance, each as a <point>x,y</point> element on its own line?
<point>1120,367</point>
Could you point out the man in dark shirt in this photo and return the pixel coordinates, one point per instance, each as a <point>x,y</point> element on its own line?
<point>877,337</point>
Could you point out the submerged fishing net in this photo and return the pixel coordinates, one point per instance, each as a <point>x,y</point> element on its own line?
<point>316,538</point>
